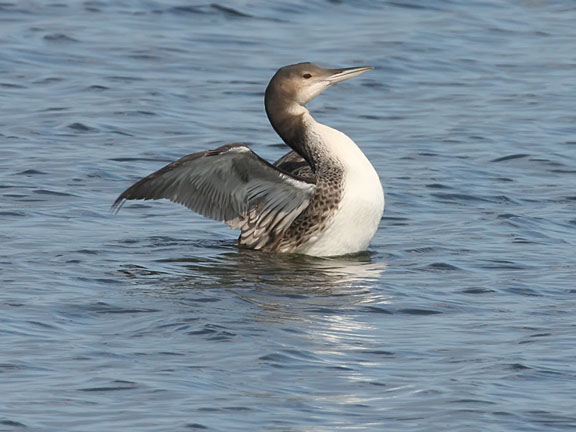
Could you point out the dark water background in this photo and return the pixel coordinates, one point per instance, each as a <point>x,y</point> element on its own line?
<point>460,318</point>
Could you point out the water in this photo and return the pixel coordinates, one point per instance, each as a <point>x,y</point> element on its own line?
<point>460,316</point>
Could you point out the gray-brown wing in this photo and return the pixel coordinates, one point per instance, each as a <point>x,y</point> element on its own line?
<point>230,184</point>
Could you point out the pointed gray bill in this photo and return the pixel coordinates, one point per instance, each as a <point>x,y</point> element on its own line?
<point>344,74</point>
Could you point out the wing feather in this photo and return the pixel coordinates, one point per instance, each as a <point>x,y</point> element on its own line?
<point>296,165</point>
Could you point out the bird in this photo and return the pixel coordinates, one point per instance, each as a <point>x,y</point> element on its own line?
<point>324,198</point>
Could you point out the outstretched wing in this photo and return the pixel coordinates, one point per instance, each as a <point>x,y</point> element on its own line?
<point>230,184</point>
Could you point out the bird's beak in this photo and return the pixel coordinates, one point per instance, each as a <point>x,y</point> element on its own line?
<point>347,73</point>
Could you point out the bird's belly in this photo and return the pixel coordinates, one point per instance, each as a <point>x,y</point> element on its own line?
<point>355,222</point>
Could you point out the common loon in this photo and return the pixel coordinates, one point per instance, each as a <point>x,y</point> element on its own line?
<point>324,198</point>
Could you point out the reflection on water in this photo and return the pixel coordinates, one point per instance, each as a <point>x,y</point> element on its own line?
<point>276,288</point>
<point>285,272</point>
<point>256,276</point>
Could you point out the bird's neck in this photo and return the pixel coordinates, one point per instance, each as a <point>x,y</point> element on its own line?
<point>295,125</point>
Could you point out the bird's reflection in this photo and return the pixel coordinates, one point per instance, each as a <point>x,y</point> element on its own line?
<point>277,284</point>
<point>288,274</point>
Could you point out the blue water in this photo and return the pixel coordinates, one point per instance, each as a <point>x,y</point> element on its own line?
<point>461,316</point>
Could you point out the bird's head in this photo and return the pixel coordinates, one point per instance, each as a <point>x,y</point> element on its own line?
<point>302,82</point>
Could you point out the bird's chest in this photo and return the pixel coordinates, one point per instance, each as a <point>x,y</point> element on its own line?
<point>353,223</point>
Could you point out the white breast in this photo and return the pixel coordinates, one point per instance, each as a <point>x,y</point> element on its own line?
<point>353,226</point>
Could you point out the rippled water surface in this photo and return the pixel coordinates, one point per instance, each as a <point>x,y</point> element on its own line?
<point>460,317</point>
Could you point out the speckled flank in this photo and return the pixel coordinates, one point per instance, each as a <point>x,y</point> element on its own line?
<point>317,215</point>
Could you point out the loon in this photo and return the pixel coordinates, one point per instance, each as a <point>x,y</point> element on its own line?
<point>322,199</point>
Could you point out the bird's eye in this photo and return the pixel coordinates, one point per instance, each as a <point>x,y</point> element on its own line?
<point>307,75</point>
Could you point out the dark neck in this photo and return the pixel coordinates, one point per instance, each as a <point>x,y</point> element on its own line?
<point>287,118</point>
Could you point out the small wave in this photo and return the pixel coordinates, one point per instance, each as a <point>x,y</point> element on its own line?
<point>13,213</point>
<point>12,423</point>
<point>477,290</point>
<point>510,157</point>
<point>441,266</point>
<point>31,172</point>
<point>230,11</point>
<point>54,193</point>
<point>115,385</point>
<point>413,311</point>
<point>59,37</point>
<point>459,197</point>
<point>81,127</point>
